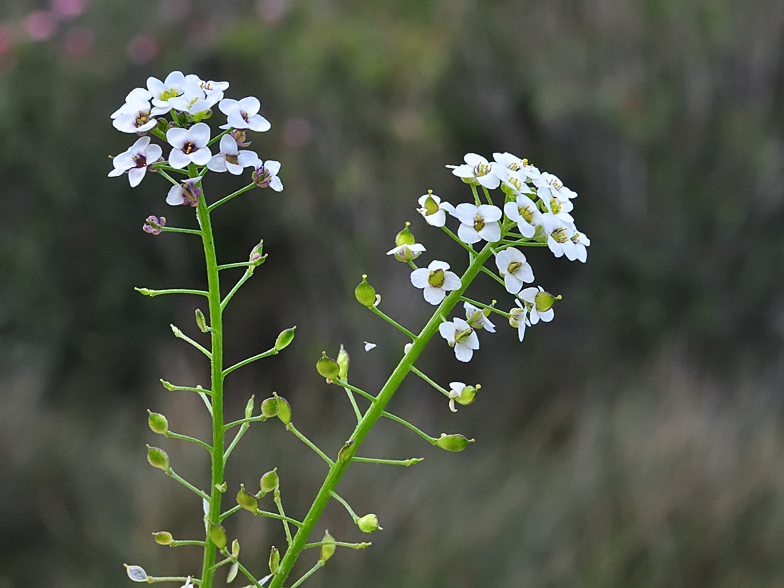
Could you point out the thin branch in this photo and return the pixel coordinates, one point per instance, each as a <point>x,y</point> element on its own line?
<point>238,264</point>
<point>176,230</point>
<point>355,389</point>
<point>267,353</point>
<point>309,443</point>
<point>172,387</point>
<point>245,277</point>
<point>255,419</point>
<point>353,401</point>
<point>338,544</point>
<point>148,292</point>
<point>456,238</point>
<point>400,462</point>
<point>393,322</point>
<point>215,205</point>
<point>279,504</point>
<point>272,515</point>
<point>429,381</point>
<point>180,335</point>
<point>309,573</point>
<point>186,438</point>
<point>234,441</point>
<point>483,305</point>
<point>425,436</point>
<point>351,512</point>
<point>172,474</point>
<point>494,276</point>
<point>180,543</point>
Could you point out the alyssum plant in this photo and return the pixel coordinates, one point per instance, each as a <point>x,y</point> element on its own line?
<point>535,212</point>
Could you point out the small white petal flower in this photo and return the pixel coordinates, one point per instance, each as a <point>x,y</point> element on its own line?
<point>135,117</point>
<point>435,280</point>
<point>369,346</point>
<point>136,160</point>
<point>455,389</point>
<point>534,314</point>
<point>477,319</point>
<point>461,337</point>
<point>433,209</point>
<point>554,185</point>
<point>581,241</point>
<point>514,269</point>
<point>478,222</point>
<point>265,174</point>
<point>476,170</point>
<point>525,214</point>
<point>163,91</point>
<point>515,164</point>
<point>135,95</point>
<point>555,206</point>
<point>518,318</point>
<point>230,158</point>
<point>243,114</point>
<point>190,145</point>
<point>559,236</point>
<point>407,252</point>
<point>187,192</point>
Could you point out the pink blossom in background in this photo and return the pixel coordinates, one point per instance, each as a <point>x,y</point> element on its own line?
<point>271,11</point>
<point>141,49</point>
<point>40,25</point>
<point>78,42</point>
<point>67,8</point>
<point>202,34</point>
<point>296,132</point>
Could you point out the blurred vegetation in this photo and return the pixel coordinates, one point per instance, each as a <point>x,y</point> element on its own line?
<point>636,441</point>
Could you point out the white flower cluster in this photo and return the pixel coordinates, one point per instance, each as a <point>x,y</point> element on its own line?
<point>189,100</point>
<point>536,211</point>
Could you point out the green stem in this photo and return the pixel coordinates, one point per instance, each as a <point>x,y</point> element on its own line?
<point>400,462</point>
<point>471,252</point>
<point>180,335</point>
<point>487,195</point>
<point>234,441</point>
<point>245,277</point>
<point>255,419</point>
<point>309,443</point>
<point>476,196</point>
<point>308,574</point>
<point>375,412</point>
<point>238,264</point>
<point>339,544</point>
<point>350,510</point>
<point>272,515</point>
<point>154,579</point>
<point>215,205</point>
<point>359,391</point>
<point>176,230</point>
<point>172,387</point>
<point>180,543</point>
<point>172,474</point>
<point>429,381</point>
<point>267,353</point>
<point>393,322</point>
<point>353,401</point>
<point>483,305</point>
<point>425,436</point>
<point>279,504</point>
<point>148,292</point>
<point>495,277</point>
<point>168,177</point>
<point>186,438</point>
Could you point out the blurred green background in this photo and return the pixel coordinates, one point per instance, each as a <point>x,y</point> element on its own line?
<point>636,441</point>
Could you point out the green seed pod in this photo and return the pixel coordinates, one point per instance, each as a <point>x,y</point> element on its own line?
<point>270,407</point>
<point>158,458</point>
<point>269,481</point>
<point>284,411</point>
<point>274,560</point>
<point>218,536</point>
<point>343,361</point>
<point>163,538</point>
<point>328,367</point>
<point>368,523</point>
<point>453,442</point>
<point>235,548</point>
<point>467,395</point>
<point>284,339</point>
<point>544,301</point>
<point>404,237</point>
<point>136,573</point>
<point>167,385</point>
<point>158,423</point>
<point>365,293</point>
<point>328,549</point>
<point>201,322</point>
<point>250,406</point>
<point>247,501</point>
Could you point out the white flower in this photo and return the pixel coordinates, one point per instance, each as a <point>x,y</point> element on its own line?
<point>460,336</point>
<point>193,99</point>
<point>551,183</point>
<point>581,241</point>
<point>186,192</point>
<point>478,222</point>
<point>243,114</point>
<point>163,91</point>
<point>407,252</point>
<point>518,318</point>
<point>135,95</point>
<point>555,206</point>
<point>187,583</point>
<point>559,236</point>
<point>514,269</point>
<point>369,346</point>
<point>230,158</point>
<point>514,183</point>
<point>190,145</point>
<point>476,170</point>
<point>525,214</point>
<point>136,160</point>
<point>477,319</point>
<point>541,309</point>
<point>455,389</point>
<point>433,209</point>
<point>435,280</point>
<point>515,164</point>
<point>134,117</point>
<point>265,174</point>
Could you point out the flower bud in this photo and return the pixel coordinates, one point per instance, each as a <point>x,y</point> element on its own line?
<point>163,538</point>
<point>256,257</point>
<point>328,549</point>
<point>269,481</point>
<point>158,458</point>
<point>343,361</point>
<point>270,407</point>
<point>247,501</point>
<point>154,225</point>
<point>222,487</point>
<point>284,411</point>
<point>167,385</point>
<point>218,536</point>
<point>544,301</point>
<point>405,237</point>
<point>201,322</point>
<point>136,573</point>
<point>365,293</point>
<point>158,423</point>
<point>274,560</point>
<point>235,548</point>
<point>368,523</point>
<point>240,137</point>
<point>453,442</point>
<point>250,406</point>
<point>284,339</point>
<point>328,367</point>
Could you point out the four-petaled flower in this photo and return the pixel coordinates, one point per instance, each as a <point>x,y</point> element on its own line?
<point>523,211</point>
<point>539,304</point>
<point>433,209</point>
<point>554,186</point>
<point>136,160</point>
<point>559,236</point>
<point>476,170</point>
<point>134,117</point>
<point>164,91</point>
<point>477,318</point>
<point>478,222</point>
<point>243,114</point>
<point>186,192</point>
<point>461,337</point>
<point>435,280</point>
<point>265,174</point>
<point>190,145</point>
<point>230,158</point>
<point>406,252</point>
<point>518,318</point>
<point>514,269</point>
<point>581,241</point>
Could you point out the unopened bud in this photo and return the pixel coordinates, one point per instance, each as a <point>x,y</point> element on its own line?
<point>144,291</point>
<point>158,423</point>
<point>163,538</point>
<point>222,487</point>
<point>343,361</point>
<point>544,301</point>
<point>407,347</point>
<point>201,322</point>
<point>269,481</point>
<point>328,549</point>
<point>136,573</point>
<point>274,560</point>
<point>167,385</point>
<point>368,523</point>
<point>328,367</point>
<point>284,339</point>
<point>256,256</point>
<point>365,293</point>
<point>235,548</point>
<point>154,225</point>
<point>158,458</point>
<point>218,536</point>
<point>247,501</point>
<point>250,406</point>
<point>453,442</point>
<point>405,237</point>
